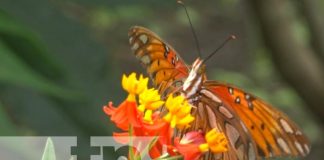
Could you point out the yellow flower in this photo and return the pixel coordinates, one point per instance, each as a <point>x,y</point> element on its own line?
<point>215,141</point>
<point>133,85</point>
<point>149,100</point>
<point>179,112</point>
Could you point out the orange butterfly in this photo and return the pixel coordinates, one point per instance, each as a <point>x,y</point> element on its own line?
<point>254,128</point>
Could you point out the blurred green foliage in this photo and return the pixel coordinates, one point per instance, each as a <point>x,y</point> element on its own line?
<point>28,47</point>
<point>24,60</point>
<point>7,127</point>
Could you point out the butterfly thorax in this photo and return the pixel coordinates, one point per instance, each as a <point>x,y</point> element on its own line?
<point>196,77</point>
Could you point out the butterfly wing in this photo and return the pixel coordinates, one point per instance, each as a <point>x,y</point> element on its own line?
<point>272,131</point>
<point>163,64</point>
<point>209,114</point>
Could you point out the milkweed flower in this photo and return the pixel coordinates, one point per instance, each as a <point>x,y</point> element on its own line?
<point>194,144</point>
<point>126,113</point>
<point>133,85</point>
<point>215,142</point>
<point>145,113</point>
<point>123,115</point>
<point>179,112</point>
<point>149,100</point>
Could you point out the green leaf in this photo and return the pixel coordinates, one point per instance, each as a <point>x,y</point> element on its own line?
<point>152,143</point>
<point>26,45</point>
<point>49,151</point>
<point>15,72</point>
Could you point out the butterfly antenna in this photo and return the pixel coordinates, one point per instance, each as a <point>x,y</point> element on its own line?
<point>191,26</point>
<point>232,37</point>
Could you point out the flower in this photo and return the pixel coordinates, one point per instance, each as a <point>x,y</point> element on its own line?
<point>215,142</point>
<point>193,144</point>
<point>126,113</point>
<point>194,137</point>
<point>134,86</point>
<point>160,129</point>
<point>149,100</point>
<point>188,146</point>
<point>179,112</point>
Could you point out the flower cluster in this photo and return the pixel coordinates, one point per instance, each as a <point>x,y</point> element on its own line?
<point>140,115</point>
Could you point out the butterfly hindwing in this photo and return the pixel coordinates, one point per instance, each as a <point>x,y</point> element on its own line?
<point>211,112</point>
<point>273,132</point>
<point>162,62</point>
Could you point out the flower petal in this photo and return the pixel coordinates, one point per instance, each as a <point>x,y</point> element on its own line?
<point>124,115</point>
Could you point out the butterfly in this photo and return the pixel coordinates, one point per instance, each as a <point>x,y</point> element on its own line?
<point>253,128</point>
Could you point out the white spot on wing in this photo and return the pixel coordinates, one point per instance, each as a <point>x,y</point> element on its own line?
<point>306,148</point>
<point>211,118</point>
<point>299,147</point>
<point>135,46</point>
<point>286,126</point>
<point>283,145</point>
<point>244,127</point>
<point>211,95</point>
<point>225,112</point>
<point>131,40</point>
<point>232,133</point>
<point>230,90</point>
<point>251,152</point>
<point>237,100</point>
<point>247,96</point>
<point>166,48</point>
<point>298,133</point>
<point>146,59</point>
<point>143,38</point>
<point>240,152</point>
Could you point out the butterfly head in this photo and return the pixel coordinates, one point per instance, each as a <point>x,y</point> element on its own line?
<point>195,79</point>
<point>198,67</point>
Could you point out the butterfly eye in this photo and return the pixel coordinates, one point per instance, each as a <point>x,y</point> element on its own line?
<point>201,69</point>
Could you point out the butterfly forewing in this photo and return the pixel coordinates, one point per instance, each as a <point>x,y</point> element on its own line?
<point>162,62</point>
<point>273,132</point>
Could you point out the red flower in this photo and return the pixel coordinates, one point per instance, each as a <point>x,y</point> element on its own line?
<point>164,133</point>
<point>145,121</point>
<point>188,146</point>
<point>195,143</point>
<point>189,151</point>
<point>124,115</point>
